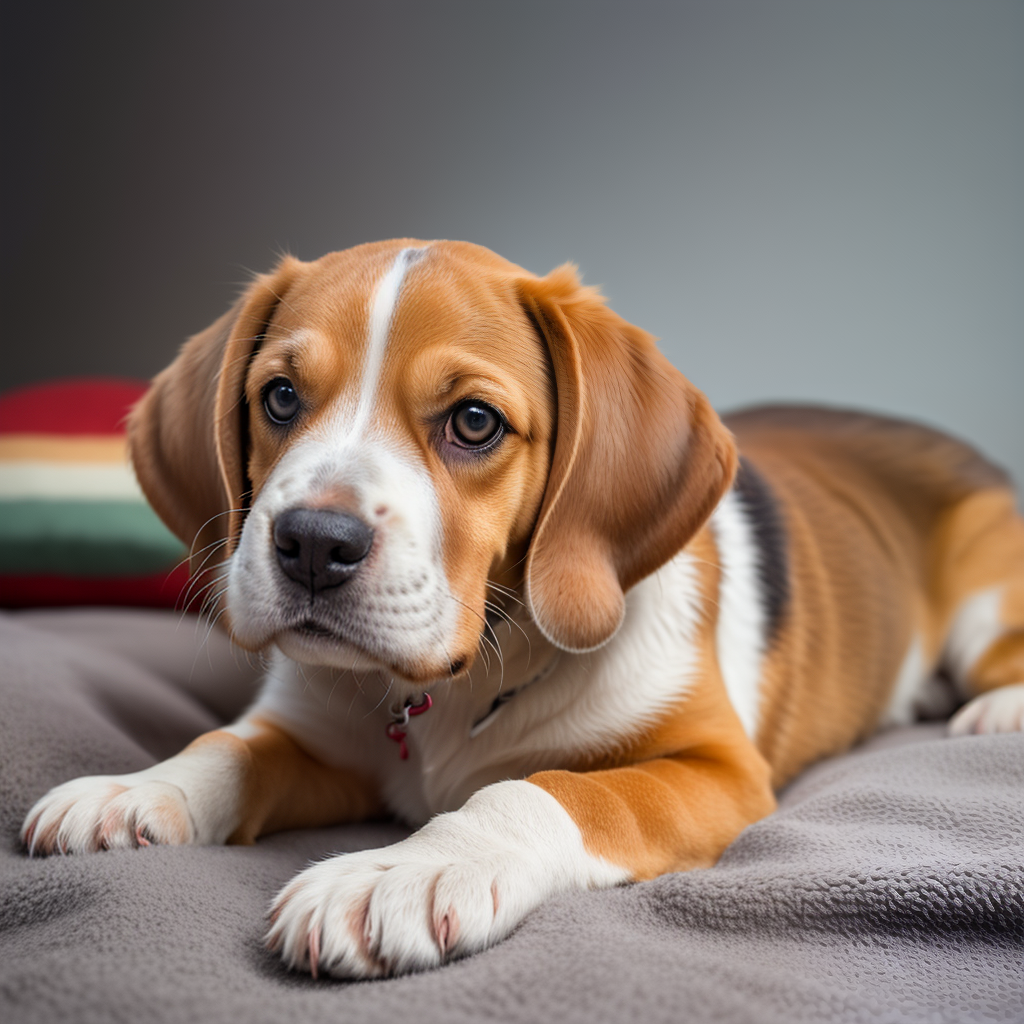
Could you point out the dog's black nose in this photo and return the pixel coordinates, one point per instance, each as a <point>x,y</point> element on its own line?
<point>320,548</point>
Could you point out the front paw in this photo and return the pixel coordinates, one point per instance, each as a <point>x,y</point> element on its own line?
<point>999,710</point>
<point>391,911</point>
<point>105,812</point>
<point>457,886</point>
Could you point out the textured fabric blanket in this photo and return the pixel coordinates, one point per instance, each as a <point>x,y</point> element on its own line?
<point>888,887</point>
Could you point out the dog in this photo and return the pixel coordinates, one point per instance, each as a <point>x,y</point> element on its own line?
<point>525,589</point>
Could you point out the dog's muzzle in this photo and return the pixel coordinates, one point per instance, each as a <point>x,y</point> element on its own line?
<point>321,549</point>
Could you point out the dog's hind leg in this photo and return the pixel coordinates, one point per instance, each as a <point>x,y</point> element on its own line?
<point>981,588</point>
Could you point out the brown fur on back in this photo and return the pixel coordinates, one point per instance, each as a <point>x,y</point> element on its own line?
<point>908,457</point>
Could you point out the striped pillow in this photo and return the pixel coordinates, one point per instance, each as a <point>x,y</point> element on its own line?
<point>74,525</point>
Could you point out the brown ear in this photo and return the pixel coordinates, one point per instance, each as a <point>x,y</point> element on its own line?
<point>187,435</point>
<point>640,462</point>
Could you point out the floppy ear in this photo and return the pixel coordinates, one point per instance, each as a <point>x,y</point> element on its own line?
<point>188,434</point>
<point>640,462</point>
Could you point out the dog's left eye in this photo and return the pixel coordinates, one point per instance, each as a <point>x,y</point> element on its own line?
<point>473,424</point>
<point>281,400</point>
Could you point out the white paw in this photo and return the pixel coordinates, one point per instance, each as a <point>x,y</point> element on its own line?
<point>460,884</point>
<point>104,812</point>
<point>999,710</point>
<point>391,911</point>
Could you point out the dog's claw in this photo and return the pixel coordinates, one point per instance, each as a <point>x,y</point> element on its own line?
<point>314,951</point>
<point>447,932</point>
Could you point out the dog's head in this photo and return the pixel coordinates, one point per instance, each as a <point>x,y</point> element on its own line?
<point>366,443</point>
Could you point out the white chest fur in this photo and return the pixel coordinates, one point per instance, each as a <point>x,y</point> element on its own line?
<point>564,706</point>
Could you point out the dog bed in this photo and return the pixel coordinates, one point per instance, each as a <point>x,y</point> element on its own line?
<point>889,886</point>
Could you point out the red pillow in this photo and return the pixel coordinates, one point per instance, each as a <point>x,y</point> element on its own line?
<point>74,525</point>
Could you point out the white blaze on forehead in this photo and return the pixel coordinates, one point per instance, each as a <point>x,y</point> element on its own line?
<point>382,313</point>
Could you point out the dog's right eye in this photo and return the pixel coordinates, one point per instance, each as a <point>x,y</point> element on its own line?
<point>281,400</point>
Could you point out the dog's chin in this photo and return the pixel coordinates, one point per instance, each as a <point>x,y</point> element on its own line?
<point>311,644</point>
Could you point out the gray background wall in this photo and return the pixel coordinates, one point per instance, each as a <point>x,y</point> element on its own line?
<point>813,200</point>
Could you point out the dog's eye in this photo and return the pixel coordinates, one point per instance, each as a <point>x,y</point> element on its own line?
<point>473,425</point>
<point>281,400</point>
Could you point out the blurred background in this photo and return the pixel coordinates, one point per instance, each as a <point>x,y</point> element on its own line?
<point>803,200</point>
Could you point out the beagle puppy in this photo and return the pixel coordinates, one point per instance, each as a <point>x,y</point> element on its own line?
<point>522,587</point>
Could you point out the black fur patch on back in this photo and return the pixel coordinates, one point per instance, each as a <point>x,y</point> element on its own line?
<point>770,536</point>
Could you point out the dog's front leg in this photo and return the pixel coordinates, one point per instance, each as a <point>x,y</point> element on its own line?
<point>468,877</point>
<point>229,785</point>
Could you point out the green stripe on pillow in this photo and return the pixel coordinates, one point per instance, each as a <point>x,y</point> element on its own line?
<point>84,538</point>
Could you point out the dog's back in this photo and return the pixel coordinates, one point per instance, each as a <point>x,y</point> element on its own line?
<point>923,547</point>
<point>922,467</point>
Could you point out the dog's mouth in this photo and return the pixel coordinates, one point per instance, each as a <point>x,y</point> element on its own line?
<point>326,637</point>
<point>310,628</point>
<point>312,642</point>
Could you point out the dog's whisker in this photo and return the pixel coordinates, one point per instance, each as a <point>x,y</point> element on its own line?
<point>212,625</point>
<point>202,571</point>
<point>212,601</point>
<point>192,554</point>
<point>212,554</point>
<point>197,595</point>
<point>506,592</point>
<point>198,589</point>
<point>203,645</point>
<point>505,617</point>
<point>512,622</point>
<point>383,698</point>
<point>215,516</point>
<point>495,646</point>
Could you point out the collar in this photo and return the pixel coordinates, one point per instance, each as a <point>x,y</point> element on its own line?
<point>503,698</point>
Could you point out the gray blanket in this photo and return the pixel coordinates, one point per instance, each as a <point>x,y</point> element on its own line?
<point>888,887</point>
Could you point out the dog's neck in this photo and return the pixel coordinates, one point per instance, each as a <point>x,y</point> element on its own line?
<point>512,654</point>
